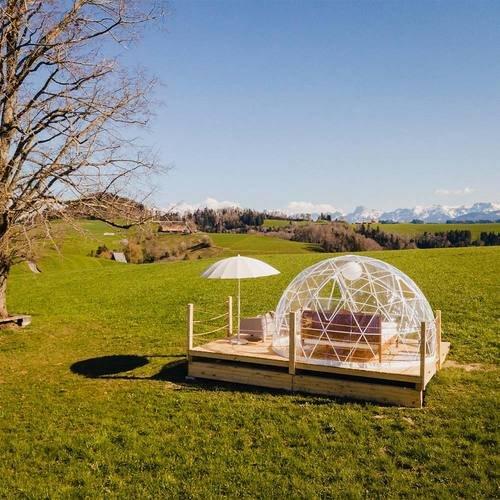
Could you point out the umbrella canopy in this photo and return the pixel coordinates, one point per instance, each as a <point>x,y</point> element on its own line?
<point>239,268</point>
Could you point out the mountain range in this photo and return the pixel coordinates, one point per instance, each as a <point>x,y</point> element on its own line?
<point>434,213</point>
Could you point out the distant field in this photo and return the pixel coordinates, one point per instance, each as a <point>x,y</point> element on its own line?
<point>413,229</point>
<point>278,223</point>
<point>248,244</point>
<point>138,429</point>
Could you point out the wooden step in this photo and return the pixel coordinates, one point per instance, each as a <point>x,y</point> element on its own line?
<point>19,320</point>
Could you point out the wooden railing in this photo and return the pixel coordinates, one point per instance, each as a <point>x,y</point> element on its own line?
<point>206,325</point>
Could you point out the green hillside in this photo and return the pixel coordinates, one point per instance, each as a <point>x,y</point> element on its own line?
<point>276,224</point>
<point>249,244</point>
<point>143,431</point>
<point>74,244</point>
<point>414,229</point>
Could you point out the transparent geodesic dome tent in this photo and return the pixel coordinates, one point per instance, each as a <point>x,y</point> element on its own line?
<point>355,311</point>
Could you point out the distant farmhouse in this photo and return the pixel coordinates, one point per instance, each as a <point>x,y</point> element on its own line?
<point>175,227</point>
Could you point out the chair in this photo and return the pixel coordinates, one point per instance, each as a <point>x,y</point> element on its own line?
<point>259,327</point>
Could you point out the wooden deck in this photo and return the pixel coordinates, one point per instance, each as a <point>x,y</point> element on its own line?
<point>257,364</point>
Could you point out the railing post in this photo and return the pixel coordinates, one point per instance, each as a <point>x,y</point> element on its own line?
<point>292,320</point>
<point>380,345</point>
<point>422,354</point>
<point>230,316</point>
<point>190,325</point>
<point>438,340</point>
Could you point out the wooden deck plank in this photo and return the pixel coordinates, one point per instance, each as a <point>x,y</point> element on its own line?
<point>361,372</point>
<point>253,352</point>
<point>363,391</point>
<point>241,375</point>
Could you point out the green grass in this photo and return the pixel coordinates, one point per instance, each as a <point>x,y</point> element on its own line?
<point>279,223</point>
<point>259,244</point>
<point>146,432</point>
<point>414,229</point>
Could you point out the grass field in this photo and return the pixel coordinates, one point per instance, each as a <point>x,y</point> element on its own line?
<point>250,244</point>
<point>137,429</point>
<point>414,229</point>
<point>279,223</point>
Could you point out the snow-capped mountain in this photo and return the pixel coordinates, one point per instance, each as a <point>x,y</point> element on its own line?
<point>442,213</point>
<point>433,213</point>
<point>363,214</point>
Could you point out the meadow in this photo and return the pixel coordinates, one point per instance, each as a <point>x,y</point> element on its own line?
<point>258,244</point>
<point>132,426</point>
<point>414,229</point>
<point>277,224</point>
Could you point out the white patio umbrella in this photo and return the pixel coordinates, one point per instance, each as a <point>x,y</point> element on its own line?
<point>239,268</point>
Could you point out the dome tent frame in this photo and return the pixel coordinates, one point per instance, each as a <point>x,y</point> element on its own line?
<point>355,311</point>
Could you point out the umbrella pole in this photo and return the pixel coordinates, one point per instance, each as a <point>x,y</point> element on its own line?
<point>239,307</point>
<point>238,340</point>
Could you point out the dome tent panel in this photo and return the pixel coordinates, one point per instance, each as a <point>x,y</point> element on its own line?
<point>355,310</point>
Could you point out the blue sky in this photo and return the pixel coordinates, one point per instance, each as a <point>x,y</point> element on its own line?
<point>385,104</point>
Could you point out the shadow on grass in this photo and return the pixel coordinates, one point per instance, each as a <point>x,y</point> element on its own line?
<point>117,367</point>
<point>108,365</point>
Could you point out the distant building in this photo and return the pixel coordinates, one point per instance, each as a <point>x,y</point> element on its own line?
<point>174,227</point>
<point>119,257</point>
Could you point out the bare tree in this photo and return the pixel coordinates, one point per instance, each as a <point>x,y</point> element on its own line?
<point>68,115</point>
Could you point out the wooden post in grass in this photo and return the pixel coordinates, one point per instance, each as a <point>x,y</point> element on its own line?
<point>230,316</point>
<point>380,348</point>
<point>190,325</point>
<point>292,325</point>
<point>422,354</point>
<point>438,340</point>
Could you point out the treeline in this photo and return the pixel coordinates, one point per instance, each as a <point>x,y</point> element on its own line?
<point>456,238</point>
<point>490,239</point>
<point>226,219</point>
<point>277,215</point>
<point>444,239</point>
<point>334,237</point>
<point>439,239</point>
<point>388,241</point>
<point>343,237</point>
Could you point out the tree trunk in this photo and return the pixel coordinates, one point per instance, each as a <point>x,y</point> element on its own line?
<point>4,273</point>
